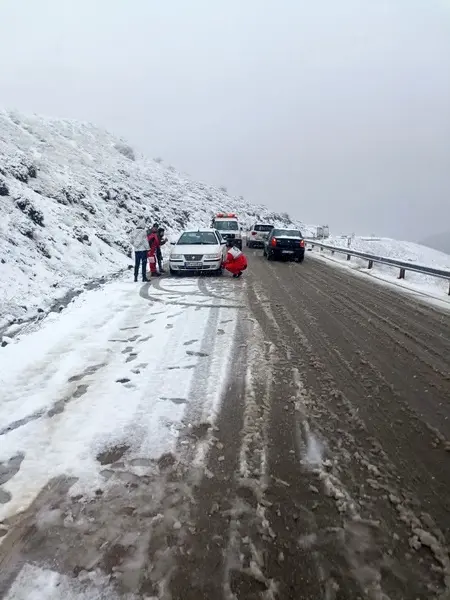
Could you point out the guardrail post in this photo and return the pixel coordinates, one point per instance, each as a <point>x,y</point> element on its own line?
<point>332,253</point>
<point>349,256</point>
<point>402,273</point>
<point>321,249</point>
<point>370,264</point>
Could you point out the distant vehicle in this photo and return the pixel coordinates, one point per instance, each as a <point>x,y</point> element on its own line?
<point>198,250</point>
<point>322,232</point>
<point>258,234</point>
<point>228,225</point>
<point>285,243</point>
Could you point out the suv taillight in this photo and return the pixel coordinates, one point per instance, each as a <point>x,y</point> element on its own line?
<point>273,241</point>
<point>302,243</point>
<point>253,232</point>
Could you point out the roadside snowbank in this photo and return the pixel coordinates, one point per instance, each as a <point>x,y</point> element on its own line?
<point>119,373</point>
<point>400,250</point>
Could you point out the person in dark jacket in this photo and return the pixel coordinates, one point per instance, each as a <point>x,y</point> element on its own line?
<point>140,246</point>
<point>162,241</point>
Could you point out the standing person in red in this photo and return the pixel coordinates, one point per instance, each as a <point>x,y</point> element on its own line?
<point>154,243</point>
<point>236,261</point>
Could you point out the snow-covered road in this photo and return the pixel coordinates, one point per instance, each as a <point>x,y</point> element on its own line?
<point>116,370</point>
<point>284,435</point>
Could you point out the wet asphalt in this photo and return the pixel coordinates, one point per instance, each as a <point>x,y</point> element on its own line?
<point>327,473</point>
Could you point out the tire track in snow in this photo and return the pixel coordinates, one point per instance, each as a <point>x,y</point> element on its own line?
<point>289,510</point>
<point>153,496</point>
<point>229,510</point>
<point>354,442</point>
<point>416,346</point>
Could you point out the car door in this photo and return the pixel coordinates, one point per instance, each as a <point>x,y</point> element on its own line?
<point>223,245</point>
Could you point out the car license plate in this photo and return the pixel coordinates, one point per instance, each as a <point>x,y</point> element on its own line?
<point>287,252</point>
<point>194,265</point>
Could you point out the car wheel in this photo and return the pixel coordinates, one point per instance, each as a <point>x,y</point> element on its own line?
<point>300,259</point>
<point>219,272</point>
<point>269,256</point>
<point>173,272</point>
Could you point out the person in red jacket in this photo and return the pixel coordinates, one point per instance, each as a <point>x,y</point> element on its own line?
<point>236,261</point>
<point>154,243</point>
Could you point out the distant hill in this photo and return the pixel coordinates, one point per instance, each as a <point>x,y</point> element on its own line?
<point>439,241</point>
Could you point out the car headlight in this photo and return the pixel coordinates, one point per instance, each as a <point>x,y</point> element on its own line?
<point>214,256</point>
<point>176,257</point>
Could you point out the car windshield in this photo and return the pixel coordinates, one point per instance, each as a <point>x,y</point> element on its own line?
<point>194,238</point>
<point>226,225</point>
<point>287,233</point>
<point>263,228</point>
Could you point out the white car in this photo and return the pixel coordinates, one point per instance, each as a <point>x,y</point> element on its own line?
<point>198,250</point>
<point>258,235</point>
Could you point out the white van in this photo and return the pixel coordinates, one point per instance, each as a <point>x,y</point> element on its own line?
<point>227,225</point>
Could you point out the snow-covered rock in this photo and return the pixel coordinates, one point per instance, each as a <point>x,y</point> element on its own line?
<point>70,194</point>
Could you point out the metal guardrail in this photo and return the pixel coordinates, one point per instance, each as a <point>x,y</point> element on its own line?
<point>392,262</point>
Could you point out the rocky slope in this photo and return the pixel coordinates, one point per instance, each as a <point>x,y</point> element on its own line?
<point>70,193</point>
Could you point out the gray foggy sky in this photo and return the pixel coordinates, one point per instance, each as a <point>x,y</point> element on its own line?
<point>337,111</point>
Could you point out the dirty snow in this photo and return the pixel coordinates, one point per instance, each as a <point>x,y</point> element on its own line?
<point>35,583</point>
<point>123,367</point>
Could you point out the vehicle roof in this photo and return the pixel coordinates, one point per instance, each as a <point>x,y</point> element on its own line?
<point>199,230</point>
<point>288,228</point>
<point>264,223</point>
<point>283,229</point>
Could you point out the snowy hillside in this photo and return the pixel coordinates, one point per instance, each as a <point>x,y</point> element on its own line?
<point>70,194</point>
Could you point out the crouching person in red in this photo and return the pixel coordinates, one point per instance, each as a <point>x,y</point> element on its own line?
<point>236,261</point>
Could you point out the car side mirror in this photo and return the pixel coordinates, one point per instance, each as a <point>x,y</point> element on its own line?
<point>173,243</point>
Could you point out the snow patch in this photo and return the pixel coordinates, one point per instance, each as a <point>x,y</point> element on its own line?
<point>35,583</point>
<point>101,382</point>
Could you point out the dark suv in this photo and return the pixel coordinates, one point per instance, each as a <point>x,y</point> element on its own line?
<point>285,243</point>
